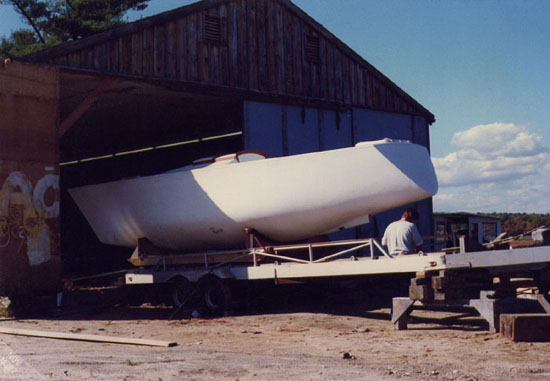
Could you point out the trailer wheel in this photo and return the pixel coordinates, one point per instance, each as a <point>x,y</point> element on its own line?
<point>182,292</point>
<point>216,295</point>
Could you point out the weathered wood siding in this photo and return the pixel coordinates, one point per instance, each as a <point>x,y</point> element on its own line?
<point>261,48</point>
<point>29,179</point>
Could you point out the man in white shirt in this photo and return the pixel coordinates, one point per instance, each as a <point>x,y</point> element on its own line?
<point>402,237</point>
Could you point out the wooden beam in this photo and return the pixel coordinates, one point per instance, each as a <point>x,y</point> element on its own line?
<point>81,337</point>
<point>85,105</point>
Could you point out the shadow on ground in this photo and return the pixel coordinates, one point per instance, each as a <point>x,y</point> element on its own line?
<point>365,298</point>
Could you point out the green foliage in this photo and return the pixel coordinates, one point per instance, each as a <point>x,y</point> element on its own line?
<point>518,223</point>
<point>20,43</point>
<point>56,21</point>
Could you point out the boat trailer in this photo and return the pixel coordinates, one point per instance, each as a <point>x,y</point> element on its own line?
<point>484,280</point>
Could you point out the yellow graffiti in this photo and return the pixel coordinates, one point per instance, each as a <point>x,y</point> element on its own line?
<point>23,215</point>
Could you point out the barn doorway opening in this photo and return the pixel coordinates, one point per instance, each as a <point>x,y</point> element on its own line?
<point>134,128</point>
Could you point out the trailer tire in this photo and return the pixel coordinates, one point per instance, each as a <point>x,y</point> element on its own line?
<point>215,295</point>
<point>182,292</point>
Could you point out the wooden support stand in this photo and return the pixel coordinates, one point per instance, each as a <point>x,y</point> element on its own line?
<point>525,327</point>
<point>401,308</point>
<point>489,308</point>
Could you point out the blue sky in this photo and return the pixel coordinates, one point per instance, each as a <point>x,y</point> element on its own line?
<point>482,67</point>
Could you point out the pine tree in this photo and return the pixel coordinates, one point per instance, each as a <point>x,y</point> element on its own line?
<point>53,22</point>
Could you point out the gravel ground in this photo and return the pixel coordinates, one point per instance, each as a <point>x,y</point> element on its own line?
<point>334,341</point>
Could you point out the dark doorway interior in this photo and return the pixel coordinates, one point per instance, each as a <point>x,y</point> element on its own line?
<point>134,129</point>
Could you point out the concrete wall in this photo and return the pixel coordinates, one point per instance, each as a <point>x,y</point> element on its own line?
<point>29,179</point>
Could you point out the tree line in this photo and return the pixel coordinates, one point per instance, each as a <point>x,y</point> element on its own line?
<point>518,223</point>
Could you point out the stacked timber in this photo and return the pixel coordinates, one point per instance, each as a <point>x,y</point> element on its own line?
<point>448,285</point>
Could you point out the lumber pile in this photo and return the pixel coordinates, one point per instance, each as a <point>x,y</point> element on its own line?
<point>448,285</point>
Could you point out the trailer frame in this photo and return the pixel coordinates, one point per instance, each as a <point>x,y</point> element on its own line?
<point>259,261</point>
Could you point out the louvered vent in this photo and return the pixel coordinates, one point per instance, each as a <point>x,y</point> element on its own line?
<point>212,29</point>
<point>312,49</point>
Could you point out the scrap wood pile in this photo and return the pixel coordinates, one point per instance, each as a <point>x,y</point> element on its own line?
<point>538,236</point>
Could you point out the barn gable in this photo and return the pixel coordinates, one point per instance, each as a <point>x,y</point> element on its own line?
<point>214,77</point>
<point>263,49</point>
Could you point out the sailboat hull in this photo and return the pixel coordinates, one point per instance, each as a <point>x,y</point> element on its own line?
<point>285,199</point>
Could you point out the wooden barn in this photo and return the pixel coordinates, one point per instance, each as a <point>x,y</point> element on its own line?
<point>213,77</point>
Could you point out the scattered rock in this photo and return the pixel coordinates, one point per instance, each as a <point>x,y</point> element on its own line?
<point>347,356</point>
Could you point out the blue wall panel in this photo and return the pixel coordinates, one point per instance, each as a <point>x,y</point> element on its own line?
<point>289,130</point>
<point>420,131</point>
<point>375,125</point>
<point>335,130</point>
<point>302,130</point>
<point>425,225</point>
<point>263,128</point>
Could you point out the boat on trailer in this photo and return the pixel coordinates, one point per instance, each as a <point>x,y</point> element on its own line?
<point>208,205</point>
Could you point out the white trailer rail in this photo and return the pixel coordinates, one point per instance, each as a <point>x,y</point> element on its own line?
<point>284,266</point>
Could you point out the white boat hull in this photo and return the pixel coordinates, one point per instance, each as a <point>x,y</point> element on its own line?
<point>286,199</point>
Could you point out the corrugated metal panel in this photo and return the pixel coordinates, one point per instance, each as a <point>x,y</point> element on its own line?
<point>29,179</point>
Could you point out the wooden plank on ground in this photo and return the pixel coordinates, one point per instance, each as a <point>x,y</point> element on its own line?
<point>83,337</point>
<point>525,327</point>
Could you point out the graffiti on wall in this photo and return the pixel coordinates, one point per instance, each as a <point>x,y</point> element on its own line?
<point>25,214</point>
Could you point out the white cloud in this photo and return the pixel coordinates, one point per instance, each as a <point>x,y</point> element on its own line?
<point>499,139</point>
<point>496,167</point>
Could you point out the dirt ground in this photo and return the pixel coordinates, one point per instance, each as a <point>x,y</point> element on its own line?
<point>328,340</point>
